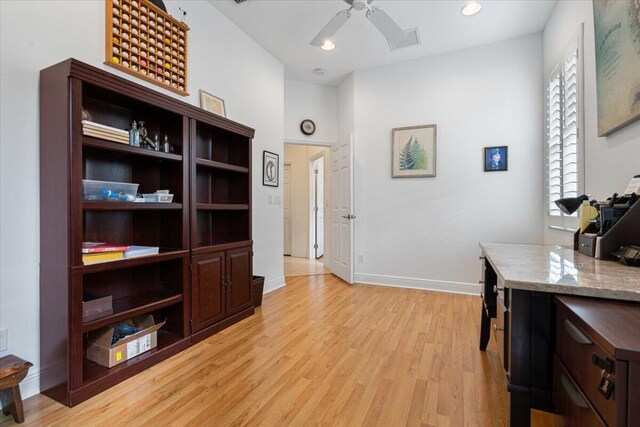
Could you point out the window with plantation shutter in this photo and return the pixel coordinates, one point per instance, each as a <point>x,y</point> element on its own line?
<point>564,143</point>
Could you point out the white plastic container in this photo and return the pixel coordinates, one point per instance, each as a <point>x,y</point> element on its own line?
<point>157,198</point>
<point>109,191</point>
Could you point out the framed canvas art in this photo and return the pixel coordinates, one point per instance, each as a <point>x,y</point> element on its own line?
<point>617,36</point>
<point>270,169</point>
<point>413,152</point>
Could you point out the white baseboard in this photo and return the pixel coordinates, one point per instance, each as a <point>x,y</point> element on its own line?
<point>30,386</point>
<point>273,284</point>
<point>414,283</point>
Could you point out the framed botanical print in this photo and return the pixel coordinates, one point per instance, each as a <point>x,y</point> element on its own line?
<point>413,152</point>
<point>212,104</point>
<point>270,169</point>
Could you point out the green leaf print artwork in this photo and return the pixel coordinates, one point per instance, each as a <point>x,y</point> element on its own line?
<point>413,155</point>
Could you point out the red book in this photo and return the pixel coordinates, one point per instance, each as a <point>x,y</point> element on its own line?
<point>99,247</point>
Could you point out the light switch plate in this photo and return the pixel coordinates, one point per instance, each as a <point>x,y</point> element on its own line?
<point>278,200</point>
<point>270,199</point>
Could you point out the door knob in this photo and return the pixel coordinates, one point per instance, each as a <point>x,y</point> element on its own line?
<point>350,216</point>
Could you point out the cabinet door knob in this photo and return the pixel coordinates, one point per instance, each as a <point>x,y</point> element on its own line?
<point>495,289</point>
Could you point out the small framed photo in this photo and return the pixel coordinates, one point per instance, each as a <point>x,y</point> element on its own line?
<point>413,152</point>
<point>212,104</point>
<point>496,159</point>
<point>270,169</point>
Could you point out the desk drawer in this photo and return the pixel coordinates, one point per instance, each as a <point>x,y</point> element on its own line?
<point>575,349</point>
<point>571,404</point>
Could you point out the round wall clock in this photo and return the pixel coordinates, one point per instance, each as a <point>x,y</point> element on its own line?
<point>307,127</point>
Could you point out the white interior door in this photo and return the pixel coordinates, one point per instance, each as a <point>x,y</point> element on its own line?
<point>287,209</point>
<point>317,208</point>
<point>320,208</point>
<point>342,216</point>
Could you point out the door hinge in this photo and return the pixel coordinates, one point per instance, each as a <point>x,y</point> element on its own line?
<point>315,246</point>
<point>315,209</point>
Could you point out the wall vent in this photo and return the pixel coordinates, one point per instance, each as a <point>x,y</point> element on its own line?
<point>240,1</point>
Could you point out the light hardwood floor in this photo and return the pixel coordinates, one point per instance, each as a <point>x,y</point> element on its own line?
<point>294,266</point>
<point>318,352</point>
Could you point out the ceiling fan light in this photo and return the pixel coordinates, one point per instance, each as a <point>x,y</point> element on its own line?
<point>328,45</point>
<point>471,8</point>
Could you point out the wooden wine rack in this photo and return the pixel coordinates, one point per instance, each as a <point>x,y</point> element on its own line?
<point>145,41</point>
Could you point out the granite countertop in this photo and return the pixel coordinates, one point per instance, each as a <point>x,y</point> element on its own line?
<point>561,270</point>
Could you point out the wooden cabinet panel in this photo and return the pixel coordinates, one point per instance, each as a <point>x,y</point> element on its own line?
<point>239,278</point>
<point>207,290</point>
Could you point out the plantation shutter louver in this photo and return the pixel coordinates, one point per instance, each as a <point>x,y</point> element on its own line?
<point>564,151</point>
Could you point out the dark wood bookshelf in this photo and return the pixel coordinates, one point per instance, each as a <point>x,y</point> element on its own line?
<point>207,225</point>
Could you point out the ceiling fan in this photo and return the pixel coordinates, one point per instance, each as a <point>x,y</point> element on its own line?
<point>396,36</point>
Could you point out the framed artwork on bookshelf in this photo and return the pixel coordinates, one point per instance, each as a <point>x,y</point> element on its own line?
<point>270,169</point>
<point>212,104</point>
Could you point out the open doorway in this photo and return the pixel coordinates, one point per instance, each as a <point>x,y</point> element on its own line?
<point>306,199</point>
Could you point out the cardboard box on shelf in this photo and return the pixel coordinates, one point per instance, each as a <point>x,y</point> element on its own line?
<point>100,350</point>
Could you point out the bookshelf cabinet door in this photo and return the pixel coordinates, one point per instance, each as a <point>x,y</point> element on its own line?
<point>207,302</point>
<point>239,276</point>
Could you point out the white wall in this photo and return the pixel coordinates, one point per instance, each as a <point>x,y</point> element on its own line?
<point>610,162</point>
<point>300,157</point>
<point>424,232</point>
<point>310,101</point>
<point>35,34</point>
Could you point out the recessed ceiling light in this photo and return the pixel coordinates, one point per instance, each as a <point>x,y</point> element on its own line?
<point>471,8</point>
<point>319,71</point>
<point>327,45</point>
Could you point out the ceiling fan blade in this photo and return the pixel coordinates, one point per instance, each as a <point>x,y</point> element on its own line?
<point>387,26</point>
<point>331,28</point>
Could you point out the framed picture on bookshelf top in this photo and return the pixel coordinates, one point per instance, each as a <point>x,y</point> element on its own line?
<point>212,104</point>
<point>270,169</point>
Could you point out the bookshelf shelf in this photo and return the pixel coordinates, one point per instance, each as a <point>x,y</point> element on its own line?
<point>130,206</point>
<point>93,372</point>
<point>222,206</point>
<point>222,166</point>
<point>134,305</point>
<point>104,144</point>
<point>164,255</point>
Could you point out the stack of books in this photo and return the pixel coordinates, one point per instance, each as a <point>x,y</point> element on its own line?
<point>95,252</point>
<point>136,251</point>
<point>109,133</point>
